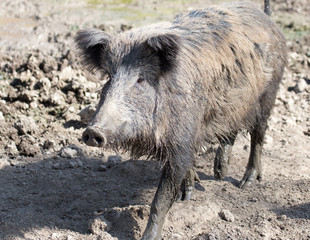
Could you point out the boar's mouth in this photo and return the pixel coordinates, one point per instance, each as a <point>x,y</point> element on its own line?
<point>94,137</point>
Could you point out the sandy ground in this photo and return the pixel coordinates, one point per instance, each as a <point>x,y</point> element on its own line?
<point>52,186</point>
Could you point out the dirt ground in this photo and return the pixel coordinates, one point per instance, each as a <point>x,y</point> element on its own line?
<point>52,186</point>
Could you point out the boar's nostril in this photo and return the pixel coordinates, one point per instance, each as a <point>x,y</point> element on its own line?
<point>85,137</point>
<point>92,137</point>
<point>99,140</point>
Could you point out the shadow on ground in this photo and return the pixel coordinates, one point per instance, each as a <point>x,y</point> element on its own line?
<point>301,211</point>
<point>65,193</point>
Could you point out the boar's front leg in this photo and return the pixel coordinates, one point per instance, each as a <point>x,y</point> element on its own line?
<point>167,192</point>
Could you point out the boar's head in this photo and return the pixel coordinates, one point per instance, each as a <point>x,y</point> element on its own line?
<point>128,107</point>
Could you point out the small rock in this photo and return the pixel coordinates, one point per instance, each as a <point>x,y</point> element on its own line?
<point>282,218</point>
<point>300,86</point>
<point>1,116</point>
<point>11,148</point>
<point>28,146</point>
<point>44,83</point>
<point>226,215</point>
<point>87,113</point>
<point>4,163</point>
<point>33,105</point>
<point>49,64</point>
<point>66,74</point>
<point>114,159</point>
<point>68,152</point>
<point>99,225</point>
<point>26,125</point>
<point>71,109</point>
<point>57,98</point>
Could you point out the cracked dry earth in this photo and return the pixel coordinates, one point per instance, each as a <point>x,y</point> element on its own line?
<point>54,187</point>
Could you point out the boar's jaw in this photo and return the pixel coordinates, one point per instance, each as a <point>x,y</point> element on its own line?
<point>92,136</point>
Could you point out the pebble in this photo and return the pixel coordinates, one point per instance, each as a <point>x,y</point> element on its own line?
<point>67,152</point>
<point>11,147</point>
<point>4,163</point>
<point>282,218</point>
<point>226,215</point>
<point>300,86</point>
<point>44,83</point>
<point>57,98</point>
<point>33,105</point>
<point>26,125</point>
<point>1,116</point>
<point>87,113</point>
<point>28,146</point>
<point>66,74</point>
<point>99,225</point>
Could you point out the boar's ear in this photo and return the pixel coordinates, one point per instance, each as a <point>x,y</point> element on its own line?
<point>93,44</point>
<point>167,47</point>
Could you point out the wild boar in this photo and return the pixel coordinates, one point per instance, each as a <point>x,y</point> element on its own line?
<point>175,85</point>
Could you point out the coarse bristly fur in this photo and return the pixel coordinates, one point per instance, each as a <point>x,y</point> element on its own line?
<point>209,69</point>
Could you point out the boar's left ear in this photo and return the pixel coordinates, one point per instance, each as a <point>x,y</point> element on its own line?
<point>93,44</point>
<point>167,47</point>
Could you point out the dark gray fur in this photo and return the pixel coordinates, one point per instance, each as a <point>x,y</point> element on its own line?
<point>176,85</point>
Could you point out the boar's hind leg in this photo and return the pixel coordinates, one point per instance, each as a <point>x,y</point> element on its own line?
<point>167,193</point>
<point>188,185</point>
<point>254,168</point>
<point>221,161</point>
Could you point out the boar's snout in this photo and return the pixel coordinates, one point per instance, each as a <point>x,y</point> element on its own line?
<point>93,137</point>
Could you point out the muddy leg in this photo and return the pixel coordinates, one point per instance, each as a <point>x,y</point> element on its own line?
<point>167,193</point>
<point>254,168</point>
<point>221,161</point>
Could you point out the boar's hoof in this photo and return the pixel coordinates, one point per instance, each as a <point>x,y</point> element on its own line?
<point>218,174</point>
<point>249,178</point>
<point>188,185</point>
<point>93,137</point>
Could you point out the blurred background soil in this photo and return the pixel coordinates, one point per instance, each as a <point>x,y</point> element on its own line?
<point>52,186</point>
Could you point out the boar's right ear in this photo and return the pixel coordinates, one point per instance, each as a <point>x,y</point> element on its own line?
<point>92,44</point>
<point>166,46</point>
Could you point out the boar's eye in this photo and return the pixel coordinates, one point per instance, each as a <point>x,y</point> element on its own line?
<point>140,80</point>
